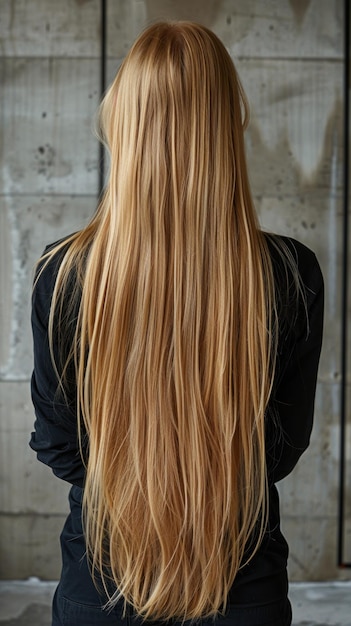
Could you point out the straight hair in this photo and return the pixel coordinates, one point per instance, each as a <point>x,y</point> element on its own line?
<point>175,335</point>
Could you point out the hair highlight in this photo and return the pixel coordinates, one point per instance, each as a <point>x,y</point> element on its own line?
<point>175,340</point>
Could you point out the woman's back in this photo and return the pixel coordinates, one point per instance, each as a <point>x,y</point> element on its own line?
<point>180,342</point>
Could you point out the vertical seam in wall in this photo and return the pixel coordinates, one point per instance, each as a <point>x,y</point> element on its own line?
<point>344,306</point>
<point>103,42</point>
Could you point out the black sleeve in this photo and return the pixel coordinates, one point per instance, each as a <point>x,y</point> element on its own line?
<point>55,437</point>
<point>292,406</point>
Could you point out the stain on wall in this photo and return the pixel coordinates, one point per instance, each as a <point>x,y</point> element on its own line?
<point>300,8</point>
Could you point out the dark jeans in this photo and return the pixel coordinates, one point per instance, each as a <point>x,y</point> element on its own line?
<point>69,613</point>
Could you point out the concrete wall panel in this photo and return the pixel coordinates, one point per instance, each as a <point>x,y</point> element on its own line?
<point>29,545</point>
<point>48,187</point>
<point>6,287</point>
<point>31,223</point>
<point>313,555</point>
<point>295,137</point>
<point>269,29</point>
<point>34,28</point>
<point>57,151</point>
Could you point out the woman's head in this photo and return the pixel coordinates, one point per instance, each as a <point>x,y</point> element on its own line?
<point>175,69</point>
<point>174,116</point>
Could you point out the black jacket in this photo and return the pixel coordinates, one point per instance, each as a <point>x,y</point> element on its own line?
<point>289,424</point>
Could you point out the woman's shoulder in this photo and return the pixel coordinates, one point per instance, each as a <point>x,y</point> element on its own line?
<point>57,249</point>
<point>50,260</point>
<point>299,286</point>
<point>290,256</point>
<point>46,272</point>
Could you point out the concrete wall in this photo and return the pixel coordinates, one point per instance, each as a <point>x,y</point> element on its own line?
<point>289,55</point>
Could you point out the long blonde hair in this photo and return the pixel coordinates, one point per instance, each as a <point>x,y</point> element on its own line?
<point>175,339</point>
